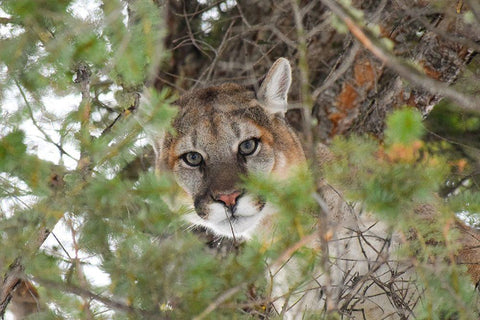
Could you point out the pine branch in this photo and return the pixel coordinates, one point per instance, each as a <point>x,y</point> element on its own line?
<point>35,123</point>
<point>82,292</point>
<point>125,112</point>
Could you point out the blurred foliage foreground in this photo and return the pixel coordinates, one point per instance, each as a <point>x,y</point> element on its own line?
<point>121,225</point>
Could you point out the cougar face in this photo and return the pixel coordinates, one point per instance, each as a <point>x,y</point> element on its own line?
<point>221,134</point>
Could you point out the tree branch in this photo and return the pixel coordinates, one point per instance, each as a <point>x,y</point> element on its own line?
<point>406,71</point>
<point>15,274</point>
<point>70,288</point>
<point>83,74</point>
<point>5,20</point>
<point>11,280</point>
<point>130,109</point>
<point>35,123</point>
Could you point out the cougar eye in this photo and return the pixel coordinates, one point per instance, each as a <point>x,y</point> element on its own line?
<point>193,159</point>
<point>248,147</point>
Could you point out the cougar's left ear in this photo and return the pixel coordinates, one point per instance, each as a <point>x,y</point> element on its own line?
<point>274,89</point>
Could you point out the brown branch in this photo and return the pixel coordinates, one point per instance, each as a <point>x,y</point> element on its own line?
<point>191,36</point>
<point>4,20</point>
<point>83,74</point>
<point>15,273</point>
<point>336,73</point>
<point>208,72</point>
<point>346,60</point>
<point>406,71</point>
<point>11,280</point>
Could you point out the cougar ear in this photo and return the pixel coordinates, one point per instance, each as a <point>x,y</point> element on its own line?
<point>274,89</point>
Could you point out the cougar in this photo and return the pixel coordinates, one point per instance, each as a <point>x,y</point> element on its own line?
<point>225,132</point>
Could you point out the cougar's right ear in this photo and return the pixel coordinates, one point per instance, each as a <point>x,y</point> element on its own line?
<point>274,88</point>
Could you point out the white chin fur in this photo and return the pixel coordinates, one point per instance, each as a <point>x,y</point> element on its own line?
<point>241,226</point>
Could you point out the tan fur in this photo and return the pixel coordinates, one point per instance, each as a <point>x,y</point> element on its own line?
<point>213,122</point>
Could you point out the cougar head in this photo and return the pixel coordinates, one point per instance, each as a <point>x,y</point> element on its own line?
<point>225,132</point>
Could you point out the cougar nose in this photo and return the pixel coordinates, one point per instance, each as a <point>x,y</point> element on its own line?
<point>229,199</point>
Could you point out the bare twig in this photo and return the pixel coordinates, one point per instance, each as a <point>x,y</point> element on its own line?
<point>192,37</point>
<point>302,57</point>
<point>336,73</point>
<point>208,72</point>
<point>197,12</point>
<point>282,36</point>
<point>305,91</point>
<point>244,19</point>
